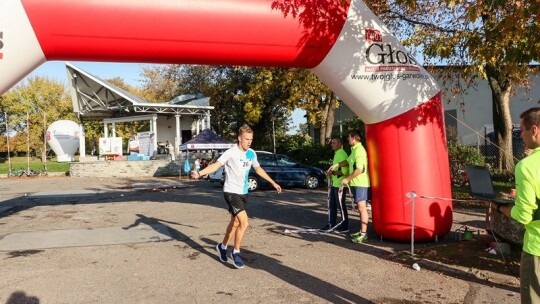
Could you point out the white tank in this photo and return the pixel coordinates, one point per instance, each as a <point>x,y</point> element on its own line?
<point>63,137</point>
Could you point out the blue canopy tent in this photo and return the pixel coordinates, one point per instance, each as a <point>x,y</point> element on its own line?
<point>206,140</point>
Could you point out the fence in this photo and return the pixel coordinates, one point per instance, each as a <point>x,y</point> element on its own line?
<point>487,144</point>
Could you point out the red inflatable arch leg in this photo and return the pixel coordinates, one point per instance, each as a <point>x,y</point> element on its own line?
<point>344,44</point>
<point>408,153</point>
<point>401,106</point>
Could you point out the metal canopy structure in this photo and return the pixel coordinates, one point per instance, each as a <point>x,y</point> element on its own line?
<point>96,99</point>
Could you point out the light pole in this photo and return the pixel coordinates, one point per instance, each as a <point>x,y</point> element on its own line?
<point>273,135</point>
<point>340,120</point>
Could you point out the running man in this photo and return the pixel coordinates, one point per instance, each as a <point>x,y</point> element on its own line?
<point>236,161</point>
<point>358,181</point>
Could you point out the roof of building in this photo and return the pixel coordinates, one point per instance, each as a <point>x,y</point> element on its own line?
<point>95,99</point>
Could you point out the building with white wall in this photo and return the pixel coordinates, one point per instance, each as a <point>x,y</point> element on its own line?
<point>470,112</point>
<point>176,121</point>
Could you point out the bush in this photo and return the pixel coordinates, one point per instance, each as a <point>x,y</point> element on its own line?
<point>502,176</point>
<point>313,155</point>
<point>461,155</point>
<point>301,148</point>
<point>464,154</point>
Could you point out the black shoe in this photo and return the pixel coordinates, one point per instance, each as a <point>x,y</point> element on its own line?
<point>341,230</point>
<point>325,228</point>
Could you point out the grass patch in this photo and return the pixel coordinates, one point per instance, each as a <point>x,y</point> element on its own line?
<point>35,165</point>
<point>462,193</point>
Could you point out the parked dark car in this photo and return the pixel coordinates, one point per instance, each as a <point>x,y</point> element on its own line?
<point>284,170</point>
<point>518,146</point>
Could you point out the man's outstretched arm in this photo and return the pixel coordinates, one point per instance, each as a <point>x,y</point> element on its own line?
<point>260,171</point>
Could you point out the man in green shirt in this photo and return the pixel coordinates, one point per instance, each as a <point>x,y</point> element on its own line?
<point>337,176</point>
<point>358,181</point>
<point>525,209</point>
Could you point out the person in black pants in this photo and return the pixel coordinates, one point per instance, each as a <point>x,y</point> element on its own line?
<point>333,197</point>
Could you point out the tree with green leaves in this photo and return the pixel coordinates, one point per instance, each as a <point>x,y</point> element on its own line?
<point>221,83</point>
<point>260,96</point>
<point>289,88</point>
<point>45,101</point>
<point>94,129</point>
<point>492,39</point>
<point>162,83</point>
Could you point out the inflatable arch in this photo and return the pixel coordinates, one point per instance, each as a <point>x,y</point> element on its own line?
<point>344,43</point>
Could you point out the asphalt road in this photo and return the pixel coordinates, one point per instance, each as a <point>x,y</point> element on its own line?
<point>82,240</point>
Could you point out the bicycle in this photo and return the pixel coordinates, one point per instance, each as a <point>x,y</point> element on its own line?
<point>16,173</point>
<point>31,173</point>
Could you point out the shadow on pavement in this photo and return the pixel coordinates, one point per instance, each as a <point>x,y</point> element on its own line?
<point>19,297</point>
<point>292,209</point>
<point>301,280</point>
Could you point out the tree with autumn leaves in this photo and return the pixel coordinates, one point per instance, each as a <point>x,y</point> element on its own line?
<point>46,101</point>
<point>30,106</point>
<point>258,96</point>
<point>496,40</point>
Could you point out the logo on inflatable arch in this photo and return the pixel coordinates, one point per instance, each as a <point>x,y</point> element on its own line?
<point>373,35</point>
<point>384,53</point>
<point>386,57</point>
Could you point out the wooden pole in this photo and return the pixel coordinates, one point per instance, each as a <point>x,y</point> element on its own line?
<point>7,142</point>
<point>44,154</point>
<point>28,141</point>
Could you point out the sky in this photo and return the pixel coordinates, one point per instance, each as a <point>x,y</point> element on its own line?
<point>105,70</point>
<point>56,70</point>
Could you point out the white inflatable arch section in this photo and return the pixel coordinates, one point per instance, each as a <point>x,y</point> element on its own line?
<point>345,44</point>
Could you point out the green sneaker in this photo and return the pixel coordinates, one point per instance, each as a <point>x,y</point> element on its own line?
<point>359,239</point>
<point>355,235</point>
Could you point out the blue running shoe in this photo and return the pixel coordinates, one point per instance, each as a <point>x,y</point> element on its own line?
<point>222,253</point>
<point>237,261</point>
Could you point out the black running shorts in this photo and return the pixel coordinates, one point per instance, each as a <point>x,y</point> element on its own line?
<point>237,202</point>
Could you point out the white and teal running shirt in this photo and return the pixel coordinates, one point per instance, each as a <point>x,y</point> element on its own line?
<point>237,164</point>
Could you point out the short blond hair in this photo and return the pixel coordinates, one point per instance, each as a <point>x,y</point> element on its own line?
<point>244,129</point>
